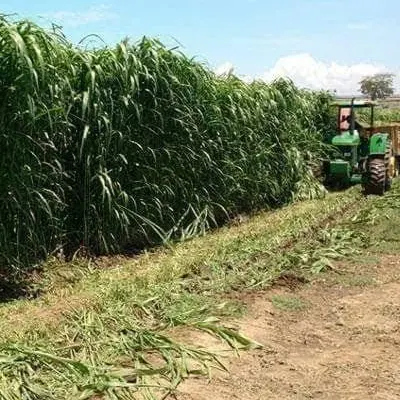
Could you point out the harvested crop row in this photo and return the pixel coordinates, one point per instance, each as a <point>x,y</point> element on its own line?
<point>120,330</point>
<point>116,148</point>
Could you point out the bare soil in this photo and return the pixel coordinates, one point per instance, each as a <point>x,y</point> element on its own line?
<point>343,343</point>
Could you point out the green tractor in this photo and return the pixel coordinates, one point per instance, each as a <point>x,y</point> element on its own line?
<point>364,153</point>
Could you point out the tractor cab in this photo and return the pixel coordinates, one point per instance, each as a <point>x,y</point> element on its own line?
<point>363,154</point>
<point>347,118</point>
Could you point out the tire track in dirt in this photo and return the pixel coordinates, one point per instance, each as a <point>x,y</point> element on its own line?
<point>344,345</point>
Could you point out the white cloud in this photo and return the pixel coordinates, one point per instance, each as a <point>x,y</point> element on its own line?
<point>96,13</point>
<point>228,68</point>
<point>224,69</point>
<point>308,72</point>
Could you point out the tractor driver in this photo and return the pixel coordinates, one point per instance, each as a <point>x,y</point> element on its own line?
<point>357,125</point>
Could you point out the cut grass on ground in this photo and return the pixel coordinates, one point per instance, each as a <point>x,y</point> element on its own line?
<point>105,333</point>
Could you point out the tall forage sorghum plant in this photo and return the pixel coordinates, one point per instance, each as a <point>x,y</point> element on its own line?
<point>122,147</point>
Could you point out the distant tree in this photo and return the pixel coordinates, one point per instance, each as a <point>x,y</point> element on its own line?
<point>378,86</point>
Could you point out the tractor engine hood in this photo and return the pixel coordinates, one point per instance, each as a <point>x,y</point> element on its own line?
<point>346,139</point>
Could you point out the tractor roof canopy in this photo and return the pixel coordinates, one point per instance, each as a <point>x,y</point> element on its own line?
<point>356,104</point>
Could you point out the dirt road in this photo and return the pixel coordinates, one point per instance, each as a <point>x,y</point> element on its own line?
<point>337,337</point>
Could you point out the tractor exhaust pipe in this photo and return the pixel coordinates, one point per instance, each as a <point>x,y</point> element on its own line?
<point>352,117</point>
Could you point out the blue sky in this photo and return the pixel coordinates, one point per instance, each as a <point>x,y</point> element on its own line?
<point>250,35</point>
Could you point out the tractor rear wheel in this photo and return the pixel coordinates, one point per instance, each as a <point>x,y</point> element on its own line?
<point>376,176</point>
<point>380,173</point>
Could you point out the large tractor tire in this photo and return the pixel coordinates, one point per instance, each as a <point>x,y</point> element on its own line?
<point>376,183</point>
<point>381,171</point>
